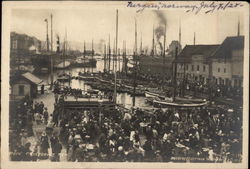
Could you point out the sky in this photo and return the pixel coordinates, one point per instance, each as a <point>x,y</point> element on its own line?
<point>87,22</point>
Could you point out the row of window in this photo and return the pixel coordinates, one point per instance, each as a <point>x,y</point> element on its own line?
<point>204,68</point>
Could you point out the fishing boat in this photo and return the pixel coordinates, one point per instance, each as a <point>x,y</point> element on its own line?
<point>185,103</point>
<point>86,76</point>
<point>84,62</point>
<point>62,65</point>
<point>64,77</point>
<point>149,94</point>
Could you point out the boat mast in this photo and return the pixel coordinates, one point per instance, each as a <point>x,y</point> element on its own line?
<point>164,57</point>
<point>104,58</point>
<point>141,45</point>
<point>135,66</point>
<point>47,34</point>
<point>116,52</point>
<point>84,50</point>
<point>175,71</point>
<point>114,56</point>
<point>125,55</point>
<point>51,57</point>
<point>92,56</point>
<point>153,42</point>
<point>118,60</point>
<point>109,53</point>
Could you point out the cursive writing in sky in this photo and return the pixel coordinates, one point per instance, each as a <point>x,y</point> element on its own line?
<point>206,7</point>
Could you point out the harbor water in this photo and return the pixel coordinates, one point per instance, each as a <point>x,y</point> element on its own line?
<point>122,98</point>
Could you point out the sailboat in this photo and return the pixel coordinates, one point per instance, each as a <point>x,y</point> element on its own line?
<point>159,99</point>
<point>64,77</point>
<point>182,102</point>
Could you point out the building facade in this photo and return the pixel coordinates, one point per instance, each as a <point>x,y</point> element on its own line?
<point>23,85</point>
<point>223,64</point>
<point>193,63</point>
<point>23,43</point>
<point>227,62</point>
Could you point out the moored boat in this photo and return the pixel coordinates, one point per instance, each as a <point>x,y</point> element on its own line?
<point>184,103</point>
<point>64,77</point>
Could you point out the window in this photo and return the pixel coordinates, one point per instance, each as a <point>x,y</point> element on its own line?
<point>192,67</point>
<point>225,70</point>
<point>21,90</point>
<point>14,44</point>
<point>218,69</point>
<point>198,67</point>
<point>204,68</point>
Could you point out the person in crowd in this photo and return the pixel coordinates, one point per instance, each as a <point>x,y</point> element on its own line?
<point>45,116</point>
<point>44,146</point>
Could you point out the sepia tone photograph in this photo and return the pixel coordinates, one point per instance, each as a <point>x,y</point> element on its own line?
<point>163,83</point>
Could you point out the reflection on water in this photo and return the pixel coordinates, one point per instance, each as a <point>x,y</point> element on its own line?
<point>122,98</point>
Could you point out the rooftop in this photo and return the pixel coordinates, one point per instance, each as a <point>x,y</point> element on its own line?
<point>228,45</point>
<point>204,50</point>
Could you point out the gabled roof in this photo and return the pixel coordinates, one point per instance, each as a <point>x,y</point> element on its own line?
<point>32,78</point>
<point>189,50</point>
<point>228,45</point>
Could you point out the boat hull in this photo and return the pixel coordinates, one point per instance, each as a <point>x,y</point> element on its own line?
<point>154,95</point>
<point>164,104</point>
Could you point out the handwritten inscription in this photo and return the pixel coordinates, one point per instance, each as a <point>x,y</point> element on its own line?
<point>206,7</point>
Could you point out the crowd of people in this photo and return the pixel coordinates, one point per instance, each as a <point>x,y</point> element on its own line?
<point>153,136</point>
<point>213,134</point>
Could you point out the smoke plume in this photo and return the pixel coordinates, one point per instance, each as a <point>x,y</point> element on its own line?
<point>160,27</point>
